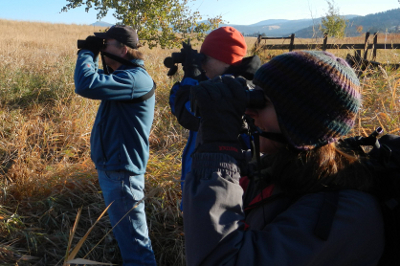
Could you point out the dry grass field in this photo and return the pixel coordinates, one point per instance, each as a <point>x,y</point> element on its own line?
<point>46,175</point>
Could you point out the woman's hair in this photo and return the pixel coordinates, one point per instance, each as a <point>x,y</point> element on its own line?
<point>326,167</point>
<point>132,53</point>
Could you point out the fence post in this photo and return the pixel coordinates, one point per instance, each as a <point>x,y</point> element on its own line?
<point>258,41</point>
<point>358,55</point>
<point>291,42</point>
<point>366,45</point>
<point>325,42</point>
<point>374,46</point>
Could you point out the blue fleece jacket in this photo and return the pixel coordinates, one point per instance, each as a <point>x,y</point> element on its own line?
<point>120,134</point>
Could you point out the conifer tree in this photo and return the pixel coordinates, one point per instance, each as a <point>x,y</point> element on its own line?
<point>333,24</point>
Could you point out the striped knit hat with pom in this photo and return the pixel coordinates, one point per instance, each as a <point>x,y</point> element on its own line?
<point>316,96</point>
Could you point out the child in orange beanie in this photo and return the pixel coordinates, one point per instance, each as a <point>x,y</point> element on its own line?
<point>223,52</point>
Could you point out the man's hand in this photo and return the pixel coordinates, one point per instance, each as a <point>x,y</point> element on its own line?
<point>93,44</point>
<point>221,103</point>
<point>192,64</point>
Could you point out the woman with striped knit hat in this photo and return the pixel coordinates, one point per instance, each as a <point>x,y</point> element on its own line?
<point>305,201</point>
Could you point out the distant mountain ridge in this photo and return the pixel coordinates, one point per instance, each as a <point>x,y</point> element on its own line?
<point>387,21</point>
<point>101,24</point>
<point>269,22</point>
<point>307,28</point>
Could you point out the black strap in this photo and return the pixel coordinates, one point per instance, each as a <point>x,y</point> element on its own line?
<point>143,97</point>
<point>279,137</point>
<point>122,60</point>
<point>327,214</point>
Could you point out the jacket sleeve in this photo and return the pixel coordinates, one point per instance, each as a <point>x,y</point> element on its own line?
<point>215,232</point>
<point>179,102</point>
<point>172,96</point>
<point>90,82</point>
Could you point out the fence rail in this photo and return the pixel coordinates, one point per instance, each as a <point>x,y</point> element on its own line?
<point>328,46</point>
<point>358,47</point>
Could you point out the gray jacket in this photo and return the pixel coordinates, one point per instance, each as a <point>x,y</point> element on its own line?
<point>217,231</point>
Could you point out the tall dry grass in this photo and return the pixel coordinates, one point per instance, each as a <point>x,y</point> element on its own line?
<point>46,171</point>
<point>46,174</point>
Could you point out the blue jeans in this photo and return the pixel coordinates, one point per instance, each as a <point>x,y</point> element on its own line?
<point>131,233</point>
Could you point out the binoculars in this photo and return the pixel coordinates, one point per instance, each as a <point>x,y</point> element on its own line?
<point>179,58</point>
<point>255,99</point>
<point>83,44</point>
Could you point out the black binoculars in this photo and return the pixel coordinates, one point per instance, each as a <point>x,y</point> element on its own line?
<point>179,58</point>
<point>83,44</point>
<point>255,99</point>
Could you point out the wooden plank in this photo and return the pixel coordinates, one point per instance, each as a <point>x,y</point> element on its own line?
<point>383,46</point>
<point>325,46</point>
<point>357,46</point>
<point>273,38</point>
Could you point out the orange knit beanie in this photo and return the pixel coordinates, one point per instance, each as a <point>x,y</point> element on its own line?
<point>225,44</point>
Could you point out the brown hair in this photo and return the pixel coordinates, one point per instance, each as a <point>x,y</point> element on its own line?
<point>320,168</point>
<point>132,53</point>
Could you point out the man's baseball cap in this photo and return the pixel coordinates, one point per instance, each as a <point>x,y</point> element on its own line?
<point>124,34</point>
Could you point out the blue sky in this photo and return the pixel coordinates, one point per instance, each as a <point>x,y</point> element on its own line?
<point>241,12</point>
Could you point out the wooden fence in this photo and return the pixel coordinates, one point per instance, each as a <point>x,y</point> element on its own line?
<point>365,47</point>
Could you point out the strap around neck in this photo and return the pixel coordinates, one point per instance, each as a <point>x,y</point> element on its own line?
<point>122,60</point>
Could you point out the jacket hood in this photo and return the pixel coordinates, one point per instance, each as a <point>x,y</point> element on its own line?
<point>247,68</point>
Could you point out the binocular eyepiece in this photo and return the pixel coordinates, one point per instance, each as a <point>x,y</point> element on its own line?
<point>255,99</point>
<point>90,42</point>
<point>179,58</point>
<point>81,44</point>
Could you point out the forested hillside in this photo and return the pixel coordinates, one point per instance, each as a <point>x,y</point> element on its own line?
<point>383,22</point>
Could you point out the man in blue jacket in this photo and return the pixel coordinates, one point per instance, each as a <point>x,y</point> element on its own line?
<point>120,135</point>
